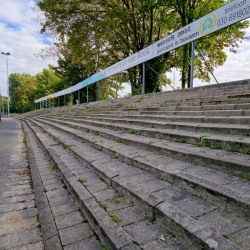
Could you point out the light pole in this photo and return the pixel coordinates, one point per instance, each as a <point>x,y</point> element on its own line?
<point>7,54</point>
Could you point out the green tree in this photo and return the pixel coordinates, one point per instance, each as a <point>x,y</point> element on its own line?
<point>106,31</point>
<point>24,96</point>
<point>183,12</point>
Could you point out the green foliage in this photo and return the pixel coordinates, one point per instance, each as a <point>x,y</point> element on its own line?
<point>45,190</point>
<point>203,144</point>
<point>81,180</point>
<point>103,206</point>
<point>96,133</point>
<point>180,140</point>
<point>53,166</point>
<point>232,149</point>
<point>247,176</point>
<point>118,194</point>
<point>215,146</point>
<point>162,238</point>
<point>134,132</point>
<point>112,216</point>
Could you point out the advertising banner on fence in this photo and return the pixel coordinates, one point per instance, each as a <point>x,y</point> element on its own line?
<point>227,15</point>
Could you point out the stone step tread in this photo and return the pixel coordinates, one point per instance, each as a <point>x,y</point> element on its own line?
<point>127,216</point>
<point>65,214</point>
<point>202,127</point>
<point>237,163</point>
<point>164,207</point>
<point>191,137</point>
<point>214,113</point>
<point>172,117</point>
<point>171,170</point>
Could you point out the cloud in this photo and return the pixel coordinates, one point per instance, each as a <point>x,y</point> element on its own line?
<point>19,38</point>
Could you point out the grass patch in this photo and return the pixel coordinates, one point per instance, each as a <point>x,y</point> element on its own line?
<point>98,149</point>
<point>114,157</point>
<point>64,146</point>
<point>205,135</point>
<point>118,194</point>
<point>103,206</point>
<point>81,180</point>
<point>96,133</point>
<point>180,140</point>
<point>112,216</point>
<point>232,149</point>
<point>45,190</point>
<point>53,166</point>
<point>247,176</point>
<point>72,145</point>
<point>202,144</point>
<point>215,146</point>
<point>87,130</point>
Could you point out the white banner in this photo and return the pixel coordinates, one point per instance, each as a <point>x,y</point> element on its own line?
<point>227,15</point>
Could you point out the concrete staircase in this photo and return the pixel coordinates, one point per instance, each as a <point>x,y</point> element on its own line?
<point>161,171</point>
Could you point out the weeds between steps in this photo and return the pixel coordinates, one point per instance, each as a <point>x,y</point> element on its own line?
<point>180,140</point>
<point>134,132</point>
<point>81,180</point>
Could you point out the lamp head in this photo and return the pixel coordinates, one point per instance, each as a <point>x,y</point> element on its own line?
<point>6,54</point>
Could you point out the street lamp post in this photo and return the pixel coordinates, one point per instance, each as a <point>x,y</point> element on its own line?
<point>7,54</point>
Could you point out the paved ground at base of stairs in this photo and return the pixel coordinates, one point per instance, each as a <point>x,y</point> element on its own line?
<point>19,223</point>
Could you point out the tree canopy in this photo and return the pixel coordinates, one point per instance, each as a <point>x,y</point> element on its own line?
<point>99,33</point>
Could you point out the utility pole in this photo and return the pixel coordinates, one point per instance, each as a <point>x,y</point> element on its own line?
<point>7,54</point>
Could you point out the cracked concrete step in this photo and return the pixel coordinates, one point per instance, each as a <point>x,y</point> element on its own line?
<point>241,143</point>
<point>167,214</point>
<point>129,218</point>
<point>63,225</point>
<point>210,185</point>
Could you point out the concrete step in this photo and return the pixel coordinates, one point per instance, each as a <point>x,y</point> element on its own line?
<point>194,233</point>
<point>191,126</point>
<point>243,120</point>
<point>175,172</point>
<point>210,113</point>
<point>90,197</point>
<point>63,225</point>
<point>226,142</point>
<point>116,216</point>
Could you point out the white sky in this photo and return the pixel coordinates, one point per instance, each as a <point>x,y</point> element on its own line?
<point>19,38</point>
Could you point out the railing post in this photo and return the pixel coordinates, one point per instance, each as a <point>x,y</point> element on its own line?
<point>78,96</point>
<point>192,66</point>
<point>87,94</point>
<point>99,90</point>
<point>143,78</point>
<point>116,86</point>
<point>64,100</point>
